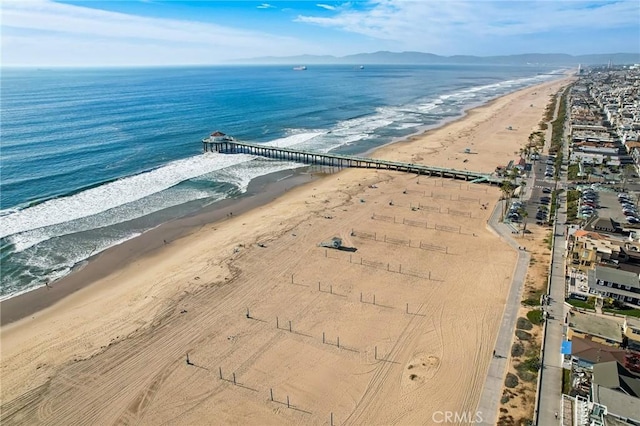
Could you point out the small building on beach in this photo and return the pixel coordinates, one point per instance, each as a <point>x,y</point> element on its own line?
<point>218,136</point>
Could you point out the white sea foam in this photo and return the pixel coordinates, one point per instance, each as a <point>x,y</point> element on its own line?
<point>113,194</point>
<point>26,225</point>
<point>136,196</point>
<point>294,139</point>
<point>119,214</point>
<point>100,199</point>
<point>62,269</point>
<point>242,176</point>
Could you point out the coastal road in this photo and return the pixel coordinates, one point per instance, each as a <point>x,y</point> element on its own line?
<point>549,394</point>
<point>550,391</point>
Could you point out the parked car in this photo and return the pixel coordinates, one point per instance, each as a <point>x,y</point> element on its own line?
<point>546,190</point>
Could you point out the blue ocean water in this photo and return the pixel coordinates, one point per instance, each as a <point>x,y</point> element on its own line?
<point>92,158</point>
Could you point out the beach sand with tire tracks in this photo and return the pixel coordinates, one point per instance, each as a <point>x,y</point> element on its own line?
<point>116,350</point>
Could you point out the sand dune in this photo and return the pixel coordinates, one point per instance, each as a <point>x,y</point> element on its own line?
<point>115,352</point>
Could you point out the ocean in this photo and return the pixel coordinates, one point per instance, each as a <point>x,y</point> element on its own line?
<point>93,157</point>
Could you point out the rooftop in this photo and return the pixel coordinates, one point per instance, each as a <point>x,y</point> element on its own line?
<point>594,352</point>
<point>582,233</point>
<point>613,375</point>
<point>601,224</point>
<point>633,322</point>
<point>617,403</point>
<point>596,326</point>
<point>617,276</point>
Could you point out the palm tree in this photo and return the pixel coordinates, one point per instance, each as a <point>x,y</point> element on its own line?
<point>523,214</point>
<point>523,184</point>
<point>507,187</point>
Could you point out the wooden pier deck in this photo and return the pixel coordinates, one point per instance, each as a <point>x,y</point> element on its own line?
<point>338,160</point>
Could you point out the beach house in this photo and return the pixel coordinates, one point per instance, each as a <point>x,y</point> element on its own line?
<point>631,333</point>
<point>618,284</point>
<point>597,329</point>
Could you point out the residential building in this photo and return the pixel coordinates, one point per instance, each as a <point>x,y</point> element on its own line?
<point>595,328</point>
<point>586,353</point>
<point>631,333</point>
<point>618,284</point>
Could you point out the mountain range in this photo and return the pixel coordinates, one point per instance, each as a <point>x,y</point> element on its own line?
<point>418,58</point>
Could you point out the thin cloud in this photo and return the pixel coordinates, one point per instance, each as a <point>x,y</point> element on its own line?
<point>326,6</point>
<point>67,31</point>
<point>428,25</point>
<point>266,6</point>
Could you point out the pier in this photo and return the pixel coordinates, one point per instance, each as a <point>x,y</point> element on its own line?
<point>339,160</point>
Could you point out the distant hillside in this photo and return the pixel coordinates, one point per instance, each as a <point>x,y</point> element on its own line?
<point>558,59</point>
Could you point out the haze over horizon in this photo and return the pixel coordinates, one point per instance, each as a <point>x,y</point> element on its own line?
<point>155,32</point>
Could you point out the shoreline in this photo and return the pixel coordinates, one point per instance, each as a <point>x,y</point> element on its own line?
<point>127,333</point>
<point>261,191</point>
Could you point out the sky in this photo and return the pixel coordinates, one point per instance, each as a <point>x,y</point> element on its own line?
<point>157,32</point>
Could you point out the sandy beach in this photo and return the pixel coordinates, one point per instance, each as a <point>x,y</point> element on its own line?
<point>396,329</point>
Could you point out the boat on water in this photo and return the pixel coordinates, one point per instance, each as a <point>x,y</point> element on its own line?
<point>300,68</point>
<point>218,136</point>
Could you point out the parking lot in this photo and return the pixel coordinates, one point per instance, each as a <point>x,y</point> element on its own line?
<point>596,199</point>
<point>539,204</point>
<point>609,206</point>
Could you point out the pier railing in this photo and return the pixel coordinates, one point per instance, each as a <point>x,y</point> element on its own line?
<point>340,160</point>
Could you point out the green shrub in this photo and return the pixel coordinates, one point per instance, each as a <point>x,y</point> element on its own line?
<point>581,304</point>
<point>527,376</point>
<point>535,316</point>
<point>511,381</point>
<point>517,349</point>
<point>628,312</point>
<point>566,381</point>
<point>531,364</point>
<point>523,324</point>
